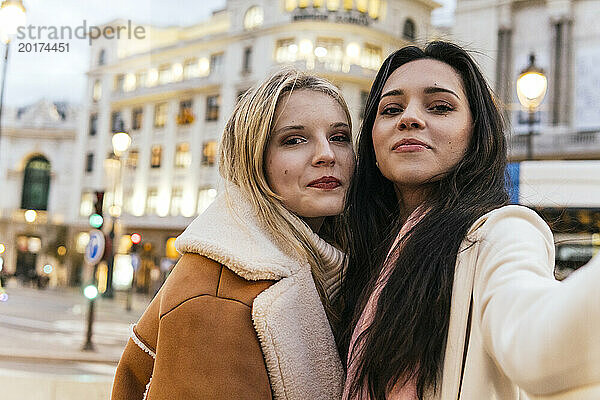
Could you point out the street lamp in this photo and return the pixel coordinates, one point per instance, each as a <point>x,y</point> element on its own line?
<point>531,90</point>
<point>12,15</point>
<point>114,167</point>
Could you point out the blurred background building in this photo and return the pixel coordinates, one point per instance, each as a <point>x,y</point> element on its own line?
<point>563,37</point>
<point>38,148</point>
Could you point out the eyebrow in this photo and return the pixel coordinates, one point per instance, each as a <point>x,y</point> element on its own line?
<point>301,127</point>
<point>427,90</point>
<point>339,125</point>
<point>289,128</point>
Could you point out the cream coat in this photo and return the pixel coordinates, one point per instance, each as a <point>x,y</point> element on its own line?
<point>289,318</point>
<point>530,335</point>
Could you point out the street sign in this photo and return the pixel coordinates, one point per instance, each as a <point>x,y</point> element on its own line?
<point>95,248</point>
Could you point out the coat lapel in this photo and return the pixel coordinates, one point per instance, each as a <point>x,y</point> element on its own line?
<point>462,293</point>
<point>297,343</point>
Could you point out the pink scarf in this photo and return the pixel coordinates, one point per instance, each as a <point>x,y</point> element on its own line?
<point>398,392</point>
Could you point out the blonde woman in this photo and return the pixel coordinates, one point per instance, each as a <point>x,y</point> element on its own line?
<point>243,314</point>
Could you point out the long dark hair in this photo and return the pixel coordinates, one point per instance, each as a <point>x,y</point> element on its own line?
<point>408,335</point>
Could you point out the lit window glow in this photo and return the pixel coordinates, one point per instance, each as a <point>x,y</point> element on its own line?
<point>129,84</point>
<point>254,17</point>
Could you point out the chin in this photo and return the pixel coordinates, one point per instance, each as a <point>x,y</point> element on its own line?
<point>324,210</point>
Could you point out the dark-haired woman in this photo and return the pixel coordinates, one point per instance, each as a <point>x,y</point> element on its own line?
<point>449,292</point>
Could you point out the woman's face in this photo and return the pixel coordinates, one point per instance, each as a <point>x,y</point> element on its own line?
<point>309,158</point>
<point>423,124</point>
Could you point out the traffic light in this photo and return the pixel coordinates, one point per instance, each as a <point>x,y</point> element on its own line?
<point>96,219</point>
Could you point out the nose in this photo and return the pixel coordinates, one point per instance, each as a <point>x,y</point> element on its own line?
<point>410,119</point>
<point>324,154</point>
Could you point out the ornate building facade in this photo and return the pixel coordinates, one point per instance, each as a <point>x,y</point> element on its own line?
<point>36,162</point>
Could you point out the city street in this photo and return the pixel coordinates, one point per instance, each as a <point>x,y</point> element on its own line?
<point>41,336</point>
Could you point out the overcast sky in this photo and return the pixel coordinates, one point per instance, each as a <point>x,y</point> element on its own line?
<point>61,76</point>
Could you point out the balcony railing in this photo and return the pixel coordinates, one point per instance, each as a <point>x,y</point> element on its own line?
<point>577,145</point>
<point>210,80</point>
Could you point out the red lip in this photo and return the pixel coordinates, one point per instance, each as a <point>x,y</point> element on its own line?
<point>410,143</point>
<point>325,182</point>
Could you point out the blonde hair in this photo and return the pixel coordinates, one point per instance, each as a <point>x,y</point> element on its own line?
<point>242,156</point>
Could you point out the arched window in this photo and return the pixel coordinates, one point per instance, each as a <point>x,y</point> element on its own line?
<point>410,30</point>
<point>101,57</point>
<point>36,184</point>
<point>254,17</point>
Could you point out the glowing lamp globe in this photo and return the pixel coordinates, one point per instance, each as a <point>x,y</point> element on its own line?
<point>121,142</point>
<point>91,292</point>
<point>12,15</point>
<point>532,85</point>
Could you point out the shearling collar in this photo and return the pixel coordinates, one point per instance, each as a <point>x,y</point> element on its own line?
<point>230,233</point>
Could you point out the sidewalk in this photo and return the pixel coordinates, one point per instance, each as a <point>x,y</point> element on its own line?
<point>41,337</point>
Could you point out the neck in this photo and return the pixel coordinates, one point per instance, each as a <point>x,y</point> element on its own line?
<point>409,198</point>
<point>314,223</point>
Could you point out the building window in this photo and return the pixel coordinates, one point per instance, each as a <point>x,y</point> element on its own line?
<point>374,8</point>
<point>254,17</point>
<point>160,115</point>
<point>329,51</point>
<point>87,204</point>
<point>247,61</point>
<point>152,77</point>
<point>191,69</point>
<point>212,107</point>
<point>36,184</point>
<point>89,162</point>
<point>209,153</point>
<point>164,74</point>
<point>152,201</point>
<point>155,156</point>
<point>141,78</point>
<point>290,5</point>
<point>216,63</point>
<point>116,122</point>
<point>119,82</point>
<point>286,51</point>
<point>371,57</point>
<point>97,91</point>
<point>132,158</point>
<point>93,128</point>
<point>176,201</point>
<point>206,196</point>
<point>129,83</point>
<point>137,114</point>
<point>102,57</point>
<point>183,157</point>
<point>176,72</point>
<point>185,115</point>
<point>333,5</point>
<point>409,31</point>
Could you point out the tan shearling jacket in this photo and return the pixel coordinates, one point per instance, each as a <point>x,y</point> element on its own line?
<point>238,318</point>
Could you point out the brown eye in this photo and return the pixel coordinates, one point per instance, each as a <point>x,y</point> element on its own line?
<point>391,110</point>
<point>442,108</point>
<point>292,141</point>
<point>340,138</point>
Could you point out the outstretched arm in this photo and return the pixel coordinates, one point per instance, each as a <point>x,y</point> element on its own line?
<point>542,333</point>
